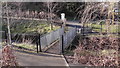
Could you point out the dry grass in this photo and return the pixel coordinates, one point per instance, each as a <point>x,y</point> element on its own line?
<point>97,51</point>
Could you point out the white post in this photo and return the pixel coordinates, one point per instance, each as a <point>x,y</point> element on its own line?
<point>63,19</point>
<point>62,16</point>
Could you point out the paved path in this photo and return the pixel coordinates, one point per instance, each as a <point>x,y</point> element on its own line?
<point>41,59</point>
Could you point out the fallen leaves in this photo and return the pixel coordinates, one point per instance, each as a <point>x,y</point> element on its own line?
<point>8,59</point>
<point>97,51</point>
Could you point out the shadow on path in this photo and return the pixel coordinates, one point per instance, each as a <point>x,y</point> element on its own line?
<point>39,54</point>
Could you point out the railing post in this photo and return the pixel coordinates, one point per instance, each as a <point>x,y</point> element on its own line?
<point>40,50</point>
<point>37,43</point>
<point>62,39</point>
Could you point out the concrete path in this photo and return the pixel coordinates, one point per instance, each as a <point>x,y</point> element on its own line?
<point>41,59</point>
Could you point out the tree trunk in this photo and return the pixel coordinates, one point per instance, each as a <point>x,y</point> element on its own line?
<point>8,25</point>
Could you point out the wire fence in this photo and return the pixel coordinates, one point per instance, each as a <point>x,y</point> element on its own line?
<point>47,39</point>
<point>44,41</point>
<point>69,36</point>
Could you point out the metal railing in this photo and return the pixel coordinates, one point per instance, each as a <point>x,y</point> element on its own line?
<point>69,36</point>
<point>49,38</point>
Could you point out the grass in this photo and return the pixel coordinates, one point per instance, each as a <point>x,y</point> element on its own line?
<point>97,28</point>
<point>32,27</point>
<point>22,47</point>
<point>97,35</point>
<point>108,52</point>
<point>25,45</point>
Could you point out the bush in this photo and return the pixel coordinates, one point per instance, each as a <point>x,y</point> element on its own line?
<point>8,59</point>
<point>97,51</point>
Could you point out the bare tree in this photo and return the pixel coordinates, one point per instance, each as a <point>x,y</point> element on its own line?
<point>93,10</point>
<point>8,24</point>
<point>110,17</point>
<point>52,9</point>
